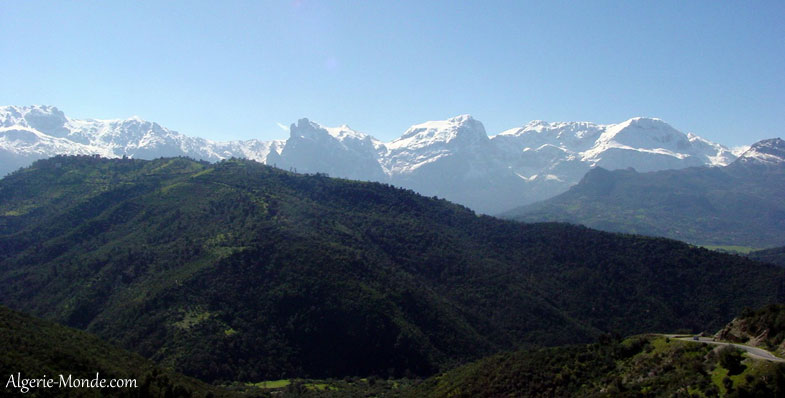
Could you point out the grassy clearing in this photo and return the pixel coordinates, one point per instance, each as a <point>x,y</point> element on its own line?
<point>660,343</point>
<point>270,384</point>
<point>717,375</point>
<point>193,317</point>
<point>663,344</point>
<point>731,248</point>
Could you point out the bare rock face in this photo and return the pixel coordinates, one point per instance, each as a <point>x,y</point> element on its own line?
<point>758,330</point>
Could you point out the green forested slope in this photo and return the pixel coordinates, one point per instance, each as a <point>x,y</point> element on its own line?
<point>38,349</point>
<point>239,271</point>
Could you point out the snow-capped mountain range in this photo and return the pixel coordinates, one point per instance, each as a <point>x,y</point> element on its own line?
<point>454,158</point>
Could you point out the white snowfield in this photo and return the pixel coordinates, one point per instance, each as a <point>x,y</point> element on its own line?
<point>453,159</point>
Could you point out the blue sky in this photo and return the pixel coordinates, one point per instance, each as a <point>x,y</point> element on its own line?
<point>234,70</point>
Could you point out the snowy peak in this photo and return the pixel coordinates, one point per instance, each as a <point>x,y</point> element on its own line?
<point>769,152</point>
<point>462,129</point>
<point>458,141</point>
<point>649,144</point>
<point>645,133</point>
<point>557,129</point>
<point>307,129</point>
<point>344,132</point>
<point>46,119</point>
<point>338,151</point>
<point>569,137</point>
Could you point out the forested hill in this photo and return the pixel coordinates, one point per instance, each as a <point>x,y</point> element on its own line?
<point>39,349</point>
<point>240,271</point>
<point>639,366</point>
<point>737,205</point>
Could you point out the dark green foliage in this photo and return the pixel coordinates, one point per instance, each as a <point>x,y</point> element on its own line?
<point>37,349</point>
<point>239,271</point>
<point>544,373</point>
<point>348,387</point>
<point>733,205</point>
<point>770,383</point>
<point>730,358</point>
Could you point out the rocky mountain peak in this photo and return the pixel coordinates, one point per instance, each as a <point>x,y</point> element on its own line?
<point>766,152</point>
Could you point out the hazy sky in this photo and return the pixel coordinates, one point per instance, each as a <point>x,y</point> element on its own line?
<point>235,70</point>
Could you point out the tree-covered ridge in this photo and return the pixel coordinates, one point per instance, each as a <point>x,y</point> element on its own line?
<point>240,271</point>
<point>740,204</point>
<point>642,366</point>
<point>35,349</point>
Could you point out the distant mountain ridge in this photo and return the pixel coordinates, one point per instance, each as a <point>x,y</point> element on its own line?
<point>454,158</point>
<point>739,204</point>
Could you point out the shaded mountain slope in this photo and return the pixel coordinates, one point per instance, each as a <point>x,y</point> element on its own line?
<point>35,348</point>
<point>240,271</point>
<point>775,255</point>
<point>740,204</point>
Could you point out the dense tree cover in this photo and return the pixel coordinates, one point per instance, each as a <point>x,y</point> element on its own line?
<point>730,358</point>
<point>240,271</point>
<point>636,367</point>
<point>774,255</point>
<point>36,349</point>
<point>734,205</point>
<point>347,387</point>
